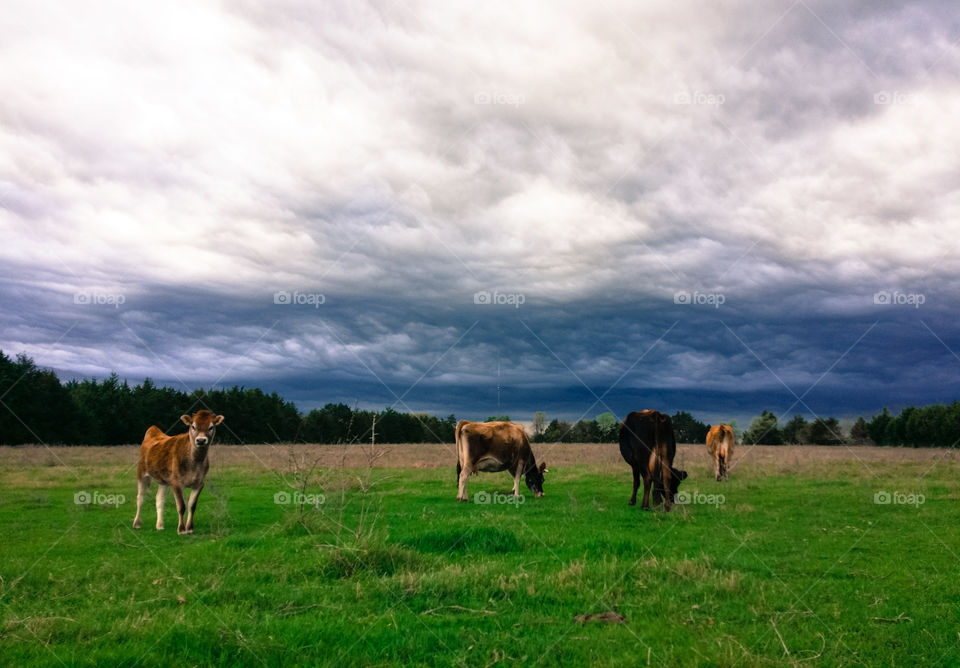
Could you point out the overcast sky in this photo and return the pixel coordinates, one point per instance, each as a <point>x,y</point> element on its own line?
<point>715,207</point>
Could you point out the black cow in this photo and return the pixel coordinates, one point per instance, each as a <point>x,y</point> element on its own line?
<point>648,446</point>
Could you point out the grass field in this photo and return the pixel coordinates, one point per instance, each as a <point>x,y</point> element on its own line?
<point>792,561</point>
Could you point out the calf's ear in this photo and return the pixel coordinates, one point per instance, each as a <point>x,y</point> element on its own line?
<point>682,475</point>
<point>543,467</point>
<point>218,419</point>
<point>186,419</point>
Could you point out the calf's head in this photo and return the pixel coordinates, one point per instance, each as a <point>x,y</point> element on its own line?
<point>202,427</point>
<point>535,478</point>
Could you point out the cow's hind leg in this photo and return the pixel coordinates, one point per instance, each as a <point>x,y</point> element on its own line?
<point>636,485</point>
<point>161,493</point>
<point>143,484</point>
<point>645,504</point>
<point>464,473</point>
<point>192,507</point>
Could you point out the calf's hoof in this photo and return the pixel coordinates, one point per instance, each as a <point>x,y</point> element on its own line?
<point>632,502</point>
<point>136,524</point>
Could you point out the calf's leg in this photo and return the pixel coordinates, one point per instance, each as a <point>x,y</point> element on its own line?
<point>143,484</point>
<point>181,508</point>
<point>161,492</point>
<point>192,506</point>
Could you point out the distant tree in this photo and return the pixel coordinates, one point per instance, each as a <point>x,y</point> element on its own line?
<point>877,427</point>
<point>796,431</point>
<point>558,431</point>
<point>584,431</point>
<point>763,431</point>
<point>607,428</point>
<point>859,432</point>
<point>498,418</point>
<point>826,432</point>
<point>688,429</point>
<point>539,423</point>
<point>737,431</point>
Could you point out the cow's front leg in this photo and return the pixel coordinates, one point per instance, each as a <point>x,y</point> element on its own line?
<point>462,482</point>
<point>161,495</point>
<point>667,496</point>
<point>516,479</point>
<point>143,484</point>
<point>192,506</point>
<point>181,508</point>
<point>636,486</point>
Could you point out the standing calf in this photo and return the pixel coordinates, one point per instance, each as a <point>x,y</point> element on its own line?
<point>720,446</point>
<point>178,461</point>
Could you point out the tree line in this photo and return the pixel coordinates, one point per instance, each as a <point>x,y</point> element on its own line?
<point>36,407</point>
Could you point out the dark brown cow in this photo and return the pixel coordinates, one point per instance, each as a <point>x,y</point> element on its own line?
<point>648,446</point>
<point>720,446</point>
<point>496,446</point>
<point>178,461</point>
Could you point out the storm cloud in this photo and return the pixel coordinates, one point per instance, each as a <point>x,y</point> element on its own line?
<point>540,206</point>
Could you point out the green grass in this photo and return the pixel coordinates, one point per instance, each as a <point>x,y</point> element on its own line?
<point>802,569</point>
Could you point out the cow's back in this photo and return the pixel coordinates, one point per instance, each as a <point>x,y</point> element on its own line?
<point>638,437</point>
<point>720,440</point>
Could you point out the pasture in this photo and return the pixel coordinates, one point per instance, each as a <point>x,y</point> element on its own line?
<point>331,555</point>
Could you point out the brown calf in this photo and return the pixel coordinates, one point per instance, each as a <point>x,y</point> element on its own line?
<point>720,446</point>
<point>178,461</point>
<point>496,446</point>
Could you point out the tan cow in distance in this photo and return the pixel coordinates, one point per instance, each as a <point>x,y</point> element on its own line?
<point>496,446</point>
<point>720,442</point>
<point>178,461</point>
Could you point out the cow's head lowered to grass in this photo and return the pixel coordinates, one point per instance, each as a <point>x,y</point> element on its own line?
<point>534,478</point>
<point>202,427</point>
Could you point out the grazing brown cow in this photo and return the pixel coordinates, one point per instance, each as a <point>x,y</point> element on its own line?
<point>720,446</point>
<point>496,446</point>
<point>178,461</point>
<point>648,445</point>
